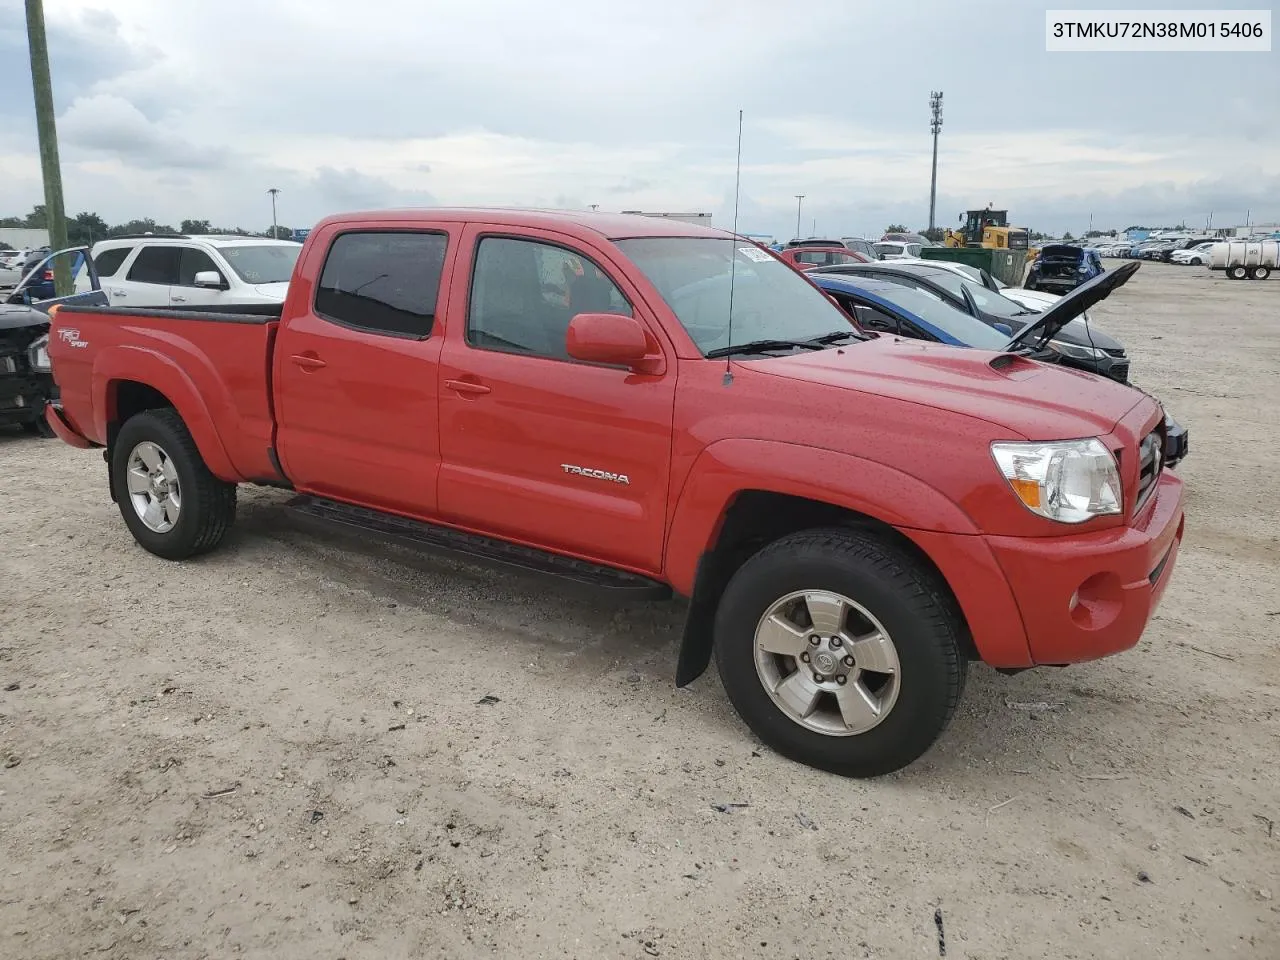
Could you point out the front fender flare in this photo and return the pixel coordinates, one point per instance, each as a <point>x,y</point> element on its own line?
<point>727,468</point>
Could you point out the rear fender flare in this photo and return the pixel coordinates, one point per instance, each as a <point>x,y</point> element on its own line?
<point>141,365</point>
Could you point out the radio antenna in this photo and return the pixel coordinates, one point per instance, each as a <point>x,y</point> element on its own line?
<point>733,254</point>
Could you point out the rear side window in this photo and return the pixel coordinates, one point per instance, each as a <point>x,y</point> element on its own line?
<point>383,281</point>
<point>109,261</point>
<point>156,265</point>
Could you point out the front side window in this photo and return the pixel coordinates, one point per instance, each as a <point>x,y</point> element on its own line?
<point>525,292</point>
<point>694,275</point>
<point>380,281</point>
<point>192,261</point>
<point>156,265</point>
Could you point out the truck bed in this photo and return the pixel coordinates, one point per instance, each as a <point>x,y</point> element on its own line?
<point>221,381</point>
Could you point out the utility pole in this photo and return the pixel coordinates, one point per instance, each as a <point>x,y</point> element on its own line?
<point>799,203</point>
<point>47,133</point>
<point>935,124</point>
<point>274,229</point>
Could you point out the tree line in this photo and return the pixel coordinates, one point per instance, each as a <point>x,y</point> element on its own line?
<point>85,229</point>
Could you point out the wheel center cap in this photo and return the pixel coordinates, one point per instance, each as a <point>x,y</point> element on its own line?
<point>825,661</point>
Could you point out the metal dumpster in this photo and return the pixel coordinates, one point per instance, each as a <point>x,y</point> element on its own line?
<point>1007,266</point>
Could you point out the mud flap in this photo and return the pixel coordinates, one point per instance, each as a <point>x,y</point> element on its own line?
<point>699,624</point>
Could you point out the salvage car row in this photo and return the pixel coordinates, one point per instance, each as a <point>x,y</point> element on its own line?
<point>646,407</point>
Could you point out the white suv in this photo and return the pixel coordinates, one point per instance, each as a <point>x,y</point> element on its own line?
<point>196,271</point>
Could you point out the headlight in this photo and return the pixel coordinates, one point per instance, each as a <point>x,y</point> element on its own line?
<point>1076,351</point>
<point>1070,481</point>
<point>38,355</point>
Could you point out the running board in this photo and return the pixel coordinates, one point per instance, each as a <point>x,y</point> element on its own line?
<point>474,547</point>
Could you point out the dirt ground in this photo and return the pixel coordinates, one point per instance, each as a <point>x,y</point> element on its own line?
<point>284,751</point>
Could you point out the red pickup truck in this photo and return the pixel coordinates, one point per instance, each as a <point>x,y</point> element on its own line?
<point>653,407</point>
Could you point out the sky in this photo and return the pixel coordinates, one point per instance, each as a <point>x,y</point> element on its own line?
<point>174,109</point>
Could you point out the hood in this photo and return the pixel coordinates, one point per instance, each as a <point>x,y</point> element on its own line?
<point>1088,294</point>
<point>15,316</point>
<point>273,291</point>
<point>1076,332</point>
<point>1061,251</point>
<point>1035,400</point>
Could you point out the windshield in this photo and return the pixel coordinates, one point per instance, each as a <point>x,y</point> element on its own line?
<point>272,264</point>
<point>770,300</point>
<point>936,311</point>
<point>987,300</point>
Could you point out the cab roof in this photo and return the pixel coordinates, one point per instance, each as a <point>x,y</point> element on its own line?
<point>578,223</point>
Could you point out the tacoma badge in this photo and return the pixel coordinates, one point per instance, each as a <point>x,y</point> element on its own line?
<point>597,474</point>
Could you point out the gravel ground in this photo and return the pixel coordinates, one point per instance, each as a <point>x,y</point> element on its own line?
<point>285,750</point>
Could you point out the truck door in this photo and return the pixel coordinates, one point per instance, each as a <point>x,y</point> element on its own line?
<point>536,446</point>
<point>355,381</point>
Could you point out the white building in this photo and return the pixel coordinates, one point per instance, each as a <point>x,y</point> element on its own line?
<point>702,218</point>
<point>22,238</point>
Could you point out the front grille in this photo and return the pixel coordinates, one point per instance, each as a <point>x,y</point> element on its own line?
<point>13,350</point>
<point>1150,463</point>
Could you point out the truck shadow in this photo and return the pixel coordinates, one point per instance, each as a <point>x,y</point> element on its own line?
<point>1026,721</point>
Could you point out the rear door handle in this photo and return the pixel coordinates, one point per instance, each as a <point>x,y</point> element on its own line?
<point>178,299</point>
<point>467,387</point>
<point>308,363</point>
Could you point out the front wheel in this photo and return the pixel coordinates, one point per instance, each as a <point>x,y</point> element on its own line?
<point>1237,273</point>
<point>171,503</point>
<point>840,651</point>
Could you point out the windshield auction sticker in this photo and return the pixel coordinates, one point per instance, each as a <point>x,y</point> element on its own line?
<point>755,255</point>
<point>1158,31</point>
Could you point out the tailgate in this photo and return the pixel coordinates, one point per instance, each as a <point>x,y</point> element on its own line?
<point>214,368</point>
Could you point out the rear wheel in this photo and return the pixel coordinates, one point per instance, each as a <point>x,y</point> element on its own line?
<point>1237,273</point>
<point>169,500</point>
<point>840,651</point>
<point>1259,273</point>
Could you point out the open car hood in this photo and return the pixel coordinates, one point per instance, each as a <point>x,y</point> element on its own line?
<point>1090,293</point>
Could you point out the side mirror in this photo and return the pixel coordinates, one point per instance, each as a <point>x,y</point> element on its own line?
<point>209,278</point>
<point>1004,328</point>
<point>614,339</point>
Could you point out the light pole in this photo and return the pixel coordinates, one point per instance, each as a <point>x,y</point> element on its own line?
<point>799,203</point>
<point>935,124</point>
<point>274,229</point>
<point>47,136</point>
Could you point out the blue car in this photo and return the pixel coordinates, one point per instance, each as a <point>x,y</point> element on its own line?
<point>889,307</point>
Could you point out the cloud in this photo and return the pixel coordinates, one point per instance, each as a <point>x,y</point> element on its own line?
<point>173,110</point>
<point>105,124</point>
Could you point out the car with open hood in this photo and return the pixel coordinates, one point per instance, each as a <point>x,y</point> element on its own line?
<point>1079,343</point>
<point>26,381</point>
<point>1061,268</point>
<point>879,304</point>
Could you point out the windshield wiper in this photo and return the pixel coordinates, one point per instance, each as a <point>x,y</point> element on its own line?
<point>762,346</point>
<point>829,338</point>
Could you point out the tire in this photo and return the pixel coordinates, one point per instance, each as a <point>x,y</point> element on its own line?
<point>883,589</point>
<point>1259,273</point>
<point>37,428</point>
<point>205,506</point>
<point>1237,273</point>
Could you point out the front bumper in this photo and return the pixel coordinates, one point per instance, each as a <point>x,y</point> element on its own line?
<point>1177,441</point>
<point>22,398</point>
<point>1090,595</point>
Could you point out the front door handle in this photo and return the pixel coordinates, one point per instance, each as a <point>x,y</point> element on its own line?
<point>308,363</point>
<point>176,299</point>
<point>467,387</point>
